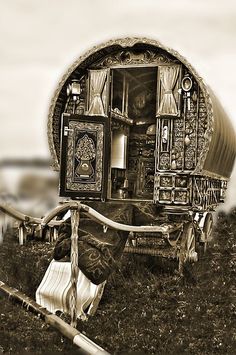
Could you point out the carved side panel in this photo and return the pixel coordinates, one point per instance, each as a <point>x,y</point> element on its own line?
<point>172,189</point>
<point>56,125</point>
<point>202,124</point>
<point>83,157</point>
<point>177,152</point>
<point>190,135</point>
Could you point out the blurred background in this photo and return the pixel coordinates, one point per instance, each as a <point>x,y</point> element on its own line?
<point>40,39</point>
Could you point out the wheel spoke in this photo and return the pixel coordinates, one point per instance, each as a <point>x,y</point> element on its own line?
<point>187,245</point>
<point>208,227</point>
<point>190,239</point>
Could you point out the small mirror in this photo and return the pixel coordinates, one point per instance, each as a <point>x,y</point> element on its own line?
<point>187,83</point>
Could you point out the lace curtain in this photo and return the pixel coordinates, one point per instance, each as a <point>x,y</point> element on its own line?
<point>168,78</point>
<point>97,80</point>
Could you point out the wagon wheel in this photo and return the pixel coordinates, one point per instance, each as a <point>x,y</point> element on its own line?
<point>207,230</point>
<point>187,251</point>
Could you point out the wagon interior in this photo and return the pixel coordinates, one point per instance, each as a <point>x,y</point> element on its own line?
<point>133,99</point>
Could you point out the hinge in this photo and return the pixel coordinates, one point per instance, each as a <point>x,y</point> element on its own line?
<point>66,130</point>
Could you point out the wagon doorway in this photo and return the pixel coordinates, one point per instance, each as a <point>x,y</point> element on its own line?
<point>133,127</point>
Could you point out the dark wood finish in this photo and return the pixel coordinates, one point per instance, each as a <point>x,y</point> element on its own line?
<point>102,154</point>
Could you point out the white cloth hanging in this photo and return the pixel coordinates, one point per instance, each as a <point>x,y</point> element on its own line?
<point>54,290</point>
<point>168,77</point>
<point>97,79</point>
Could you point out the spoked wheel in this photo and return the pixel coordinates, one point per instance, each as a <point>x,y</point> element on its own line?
<point>207,230</point>
<point>187,253</point>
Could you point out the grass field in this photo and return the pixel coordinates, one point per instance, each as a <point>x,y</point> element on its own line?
<point>146,307</point>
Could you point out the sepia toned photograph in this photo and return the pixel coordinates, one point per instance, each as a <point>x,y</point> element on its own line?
<point>117,177</point>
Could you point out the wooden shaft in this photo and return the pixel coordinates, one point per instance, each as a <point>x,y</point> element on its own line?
<point>74,264</point>
<point>125,227</point>
<point>85,344</point>
<point>165,228</point>
<point>9,210</point>
<point>48,220</point>
<point>59,209</point>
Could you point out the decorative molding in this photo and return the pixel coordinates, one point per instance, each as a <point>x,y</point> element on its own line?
<point>190,138</point>
<point>96,130</point>
<point>131,58</point>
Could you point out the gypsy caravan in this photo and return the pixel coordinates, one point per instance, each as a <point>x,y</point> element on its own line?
<point>132,123</point>
<point>145,151</point>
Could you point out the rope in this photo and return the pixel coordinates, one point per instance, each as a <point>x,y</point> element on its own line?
<point>74,264</point>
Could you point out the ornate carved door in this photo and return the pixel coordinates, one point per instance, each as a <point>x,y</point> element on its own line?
<point>85,146</point>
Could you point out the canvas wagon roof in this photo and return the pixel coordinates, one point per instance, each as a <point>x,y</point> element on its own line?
<point>220,153</point>
<point>217,157</point>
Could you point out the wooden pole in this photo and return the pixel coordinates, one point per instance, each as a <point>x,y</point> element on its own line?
<point>74,264</point>
<point>12,212</point>
<point>86,346</point>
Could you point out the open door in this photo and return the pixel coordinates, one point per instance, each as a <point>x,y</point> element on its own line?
<point>85,146</point>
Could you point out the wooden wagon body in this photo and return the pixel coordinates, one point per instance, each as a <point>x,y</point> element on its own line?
<point>151,127</point>
<point>132,121</point>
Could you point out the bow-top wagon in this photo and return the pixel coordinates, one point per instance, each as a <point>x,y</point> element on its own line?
<point>145,151</point>
<point>132,123</point>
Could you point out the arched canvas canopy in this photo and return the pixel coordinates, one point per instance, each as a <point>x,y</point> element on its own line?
<point>217,146</point>
<point>221,150</point>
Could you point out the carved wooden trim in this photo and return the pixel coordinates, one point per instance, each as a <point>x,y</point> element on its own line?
<point>97,183</point>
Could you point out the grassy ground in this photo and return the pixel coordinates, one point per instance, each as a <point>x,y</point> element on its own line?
<point>146,307</point>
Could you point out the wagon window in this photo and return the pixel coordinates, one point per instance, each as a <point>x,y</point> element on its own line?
<point>133,93</point>
<point>98,92</point>
<point>120,93</point>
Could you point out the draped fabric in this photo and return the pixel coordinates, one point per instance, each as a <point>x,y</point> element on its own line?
<point>168,78</point>
<point>54,290</point>
<point>97,81</point>
<point>98,252</point>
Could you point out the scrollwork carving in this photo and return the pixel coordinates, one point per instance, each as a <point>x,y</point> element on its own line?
<point>190,139</point>
<point>130,57</point>
<point>164,161</point>
<point>95,129</point>
<point>177,144</point>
